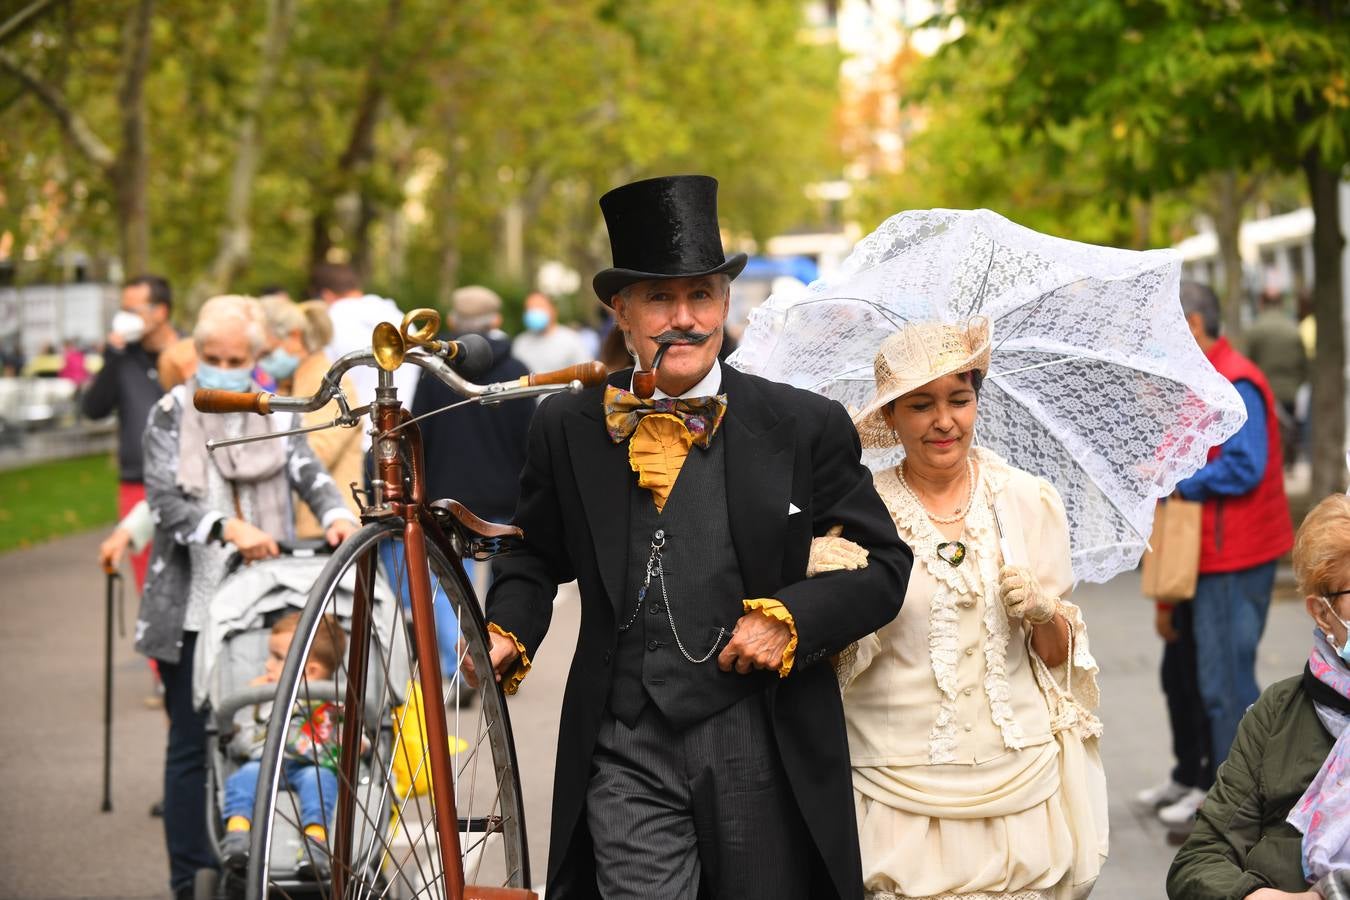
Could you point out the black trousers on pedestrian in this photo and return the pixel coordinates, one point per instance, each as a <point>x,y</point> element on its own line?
<point>702,812</point>
<point>185,834</point>
<point>1185,707</point>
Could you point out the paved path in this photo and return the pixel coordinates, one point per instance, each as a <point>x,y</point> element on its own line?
<point>55,843</point>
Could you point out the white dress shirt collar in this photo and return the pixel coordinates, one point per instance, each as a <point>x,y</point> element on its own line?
<point>708,386</point>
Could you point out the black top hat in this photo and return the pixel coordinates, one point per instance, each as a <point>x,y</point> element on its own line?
<point>663,228</point>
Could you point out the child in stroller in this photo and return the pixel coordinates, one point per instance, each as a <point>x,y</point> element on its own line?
<point>312,753</point>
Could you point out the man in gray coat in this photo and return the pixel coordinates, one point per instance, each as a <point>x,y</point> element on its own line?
<point>1274,344</point>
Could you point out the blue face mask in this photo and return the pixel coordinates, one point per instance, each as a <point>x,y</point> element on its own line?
<point>1344,650</point>
<point>279,364</point>
<point>536,319</point>
<point>214,378</point>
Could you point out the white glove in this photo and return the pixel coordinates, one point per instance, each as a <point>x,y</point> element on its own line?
<point>832,553</point>
<point>1023,596</point>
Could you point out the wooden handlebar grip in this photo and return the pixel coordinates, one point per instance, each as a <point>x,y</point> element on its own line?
<point>589,374</point>
<point>209,401</point>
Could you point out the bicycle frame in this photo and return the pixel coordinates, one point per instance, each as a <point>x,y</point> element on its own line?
<point>389,499</point>
<point>397,492</point>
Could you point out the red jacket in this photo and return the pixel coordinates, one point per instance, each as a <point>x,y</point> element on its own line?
<point>1241,532</point>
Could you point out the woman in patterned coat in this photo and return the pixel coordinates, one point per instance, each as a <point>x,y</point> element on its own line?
<point>206,506</point>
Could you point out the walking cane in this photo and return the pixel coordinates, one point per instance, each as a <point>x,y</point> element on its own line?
<point>114,592</point>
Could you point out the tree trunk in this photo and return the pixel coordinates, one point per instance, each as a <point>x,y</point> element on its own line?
<point>1226,209</point>
<point>1141,220</point>
<point>236,236</point>
<point>17,21</point>
<point>449,271</point>
<point>513,242</point>
<point>360,150</point>
<point>1328,381</point>
<point>129,172</point>
<point>360,236</point>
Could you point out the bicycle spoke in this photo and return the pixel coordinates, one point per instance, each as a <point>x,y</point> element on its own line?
<point>396,827</point>
<point>401,577</point>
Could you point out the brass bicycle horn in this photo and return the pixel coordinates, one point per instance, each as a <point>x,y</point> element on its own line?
<point>387,344</point>
<point>420,328</point>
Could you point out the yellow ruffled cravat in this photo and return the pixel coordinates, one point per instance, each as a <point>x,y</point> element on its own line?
<point>657,451</point>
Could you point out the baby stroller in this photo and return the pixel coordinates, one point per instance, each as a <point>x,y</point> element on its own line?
<point>232,650</point>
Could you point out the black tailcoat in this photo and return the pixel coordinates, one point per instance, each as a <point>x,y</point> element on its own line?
<point>784,447</point>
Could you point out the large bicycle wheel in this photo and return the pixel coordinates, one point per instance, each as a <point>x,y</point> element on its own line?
<point>381,837</point>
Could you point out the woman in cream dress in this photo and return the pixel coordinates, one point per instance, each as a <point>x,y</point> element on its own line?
<point>956,766</point>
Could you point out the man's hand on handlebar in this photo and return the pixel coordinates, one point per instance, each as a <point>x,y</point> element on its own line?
<point>502,651</point>
<point>339,531</point>
<point>252,543</point>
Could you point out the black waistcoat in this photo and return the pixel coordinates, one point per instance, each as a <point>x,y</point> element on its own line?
<point>704,591</point>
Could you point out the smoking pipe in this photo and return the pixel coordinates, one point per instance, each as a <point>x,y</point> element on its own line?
<point>644,381</point>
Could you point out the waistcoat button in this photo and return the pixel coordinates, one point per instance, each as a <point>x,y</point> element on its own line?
<point>652,645</point>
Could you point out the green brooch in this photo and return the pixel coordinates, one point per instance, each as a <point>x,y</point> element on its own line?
<point>952,552</point>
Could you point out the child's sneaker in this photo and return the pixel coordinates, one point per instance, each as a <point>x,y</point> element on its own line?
<point>312,863</point>
<point>234,850</point>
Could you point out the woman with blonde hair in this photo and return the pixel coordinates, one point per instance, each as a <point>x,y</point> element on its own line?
<point>952,709</point>
<point>1277,821</point>
<point>298,362</point>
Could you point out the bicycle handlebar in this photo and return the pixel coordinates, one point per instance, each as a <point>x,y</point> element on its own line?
<point>263,403</point>
<point>588,373</point>
<point>209,401</point>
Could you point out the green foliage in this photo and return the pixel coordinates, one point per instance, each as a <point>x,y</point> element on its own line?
<point>1172,89</point>
<point>964,154</point>
<point>41,502</point>
<point>479,107</point>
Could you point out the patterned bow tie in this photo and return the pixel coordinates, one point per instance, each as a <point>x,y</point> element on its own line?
<point>701,415</point>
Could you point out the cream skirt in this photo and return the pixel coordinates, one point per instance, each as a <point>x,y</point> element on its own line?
<point>1000,829</point>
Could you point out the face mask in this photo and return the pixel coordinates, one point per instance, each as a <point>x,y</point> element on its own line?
<point>214,378</point>
<point>127,325</point>
<point>1344,651</point>
<point>536,319</point>
<point>279,364</point>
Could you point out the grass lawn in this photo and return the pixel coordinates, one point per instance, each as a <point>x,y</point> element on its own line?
<point>54,499</point>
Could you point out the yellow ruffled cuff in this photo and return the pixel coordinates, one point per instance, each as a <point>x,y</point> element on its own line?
<point>511,683</point>
<point>657,451</point>
<point>776,610</point>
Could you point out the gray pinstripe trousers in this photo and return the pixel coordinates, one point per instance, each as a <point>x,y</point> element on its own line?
<point>672,810</point>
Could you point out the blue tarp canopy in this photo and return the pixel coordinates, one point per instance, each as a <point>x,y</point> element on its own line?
<point>802,268</point>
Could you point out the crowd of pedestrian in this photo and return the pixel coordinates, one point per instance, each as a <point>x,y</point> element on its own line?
<point>933,736</point>
<point>183,510</point>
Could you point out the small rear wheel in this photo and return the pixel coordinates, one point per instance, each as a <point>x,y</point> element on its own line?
<point>379,822</point>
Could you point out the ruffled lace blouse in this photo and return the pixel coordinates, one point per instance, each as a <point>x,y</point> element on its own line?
<point>949,680</point>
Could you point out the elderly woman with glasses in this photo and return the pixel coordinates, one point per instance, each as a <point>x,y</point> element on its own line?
<point>1277,821</point>
<point>957,775</point>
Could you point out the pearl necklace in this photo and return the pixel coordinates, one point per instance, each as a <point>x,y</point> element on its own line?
<point>943,520</point>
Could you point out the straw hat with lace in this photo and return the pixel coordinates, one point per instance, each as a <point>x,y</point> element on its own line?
<point>914,356</point>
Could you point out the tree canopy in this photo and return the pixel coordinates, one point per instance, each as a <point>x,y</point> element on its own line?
<point>1158,95</point>
<point>428,143</point>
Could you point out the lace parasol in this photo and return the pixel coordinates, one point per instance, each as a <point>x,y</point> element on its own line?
<point>1095,384</point>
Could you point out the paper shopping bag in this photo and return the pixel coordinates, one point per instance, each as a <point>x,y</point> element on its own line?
<point>1171,567</point>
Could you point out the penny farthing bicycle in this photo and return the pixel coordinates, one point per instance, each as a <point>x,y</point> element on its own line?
<point>428,794</point>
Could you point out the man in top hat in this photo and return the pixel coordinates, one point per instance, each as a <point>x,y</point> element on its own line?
<point>702,738</point>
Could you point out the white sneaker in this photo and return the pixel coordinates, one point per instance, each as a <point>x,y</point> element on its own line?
<point>1182,812</point>
<point>1164,794</point>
